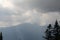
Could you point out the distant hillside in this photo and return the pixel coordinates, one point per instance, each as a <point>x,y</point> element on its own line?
<point>24,31</point>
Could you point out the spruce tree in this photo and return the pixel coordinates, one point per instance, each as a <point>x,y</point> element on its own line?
<point>48,35</point>
<point>56,31</point>
<point>53,33</point>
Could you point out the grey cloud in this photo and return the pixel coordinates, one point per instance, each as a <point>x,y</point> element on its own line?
<point>44,5</point>
<point>20,14</point>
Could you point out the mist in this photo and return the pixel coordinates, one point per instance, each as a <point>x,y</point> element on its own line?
<point>24,31</point>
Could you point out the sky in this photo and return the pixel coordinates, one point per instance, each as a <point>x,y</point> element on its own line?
<point>41,12</point>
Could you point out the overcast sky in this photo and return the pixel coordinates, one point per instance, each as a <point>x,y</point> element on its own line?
<point>41,12</point>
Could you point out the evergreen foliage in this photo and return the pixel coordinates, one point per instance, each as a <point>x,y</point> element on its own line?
<point>0,35</point>
<point>53,33</point>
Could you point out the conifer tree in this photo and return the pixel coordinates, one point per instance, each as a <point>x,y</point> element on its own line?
<point>56,31</point>
<point>48,35</point>
<point>53,33</point>
<point>0,35</point>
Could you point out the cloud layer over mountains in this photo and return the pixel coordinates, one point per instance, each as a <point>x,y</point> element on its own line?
<point>14,12</point>
<point>42,12</point>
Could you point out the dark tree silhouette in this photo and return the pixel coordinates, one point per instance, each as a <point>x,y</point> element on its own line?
<point>48,35</point>
<point>56,31</point>
<point>53,33</point>
<point>0,35</point>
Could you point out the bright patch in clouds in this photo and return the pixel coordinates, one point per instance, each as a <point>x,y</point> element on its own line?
<point>6,4</point>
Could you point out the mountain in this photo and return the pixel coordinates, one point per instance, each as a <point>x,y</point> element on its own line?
<point>24,31</point>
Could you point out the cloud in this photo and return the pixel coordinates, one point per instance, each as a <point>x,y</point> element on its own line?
<point>42,12</point>
<point>6,4</point>
<point>46,5</point>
